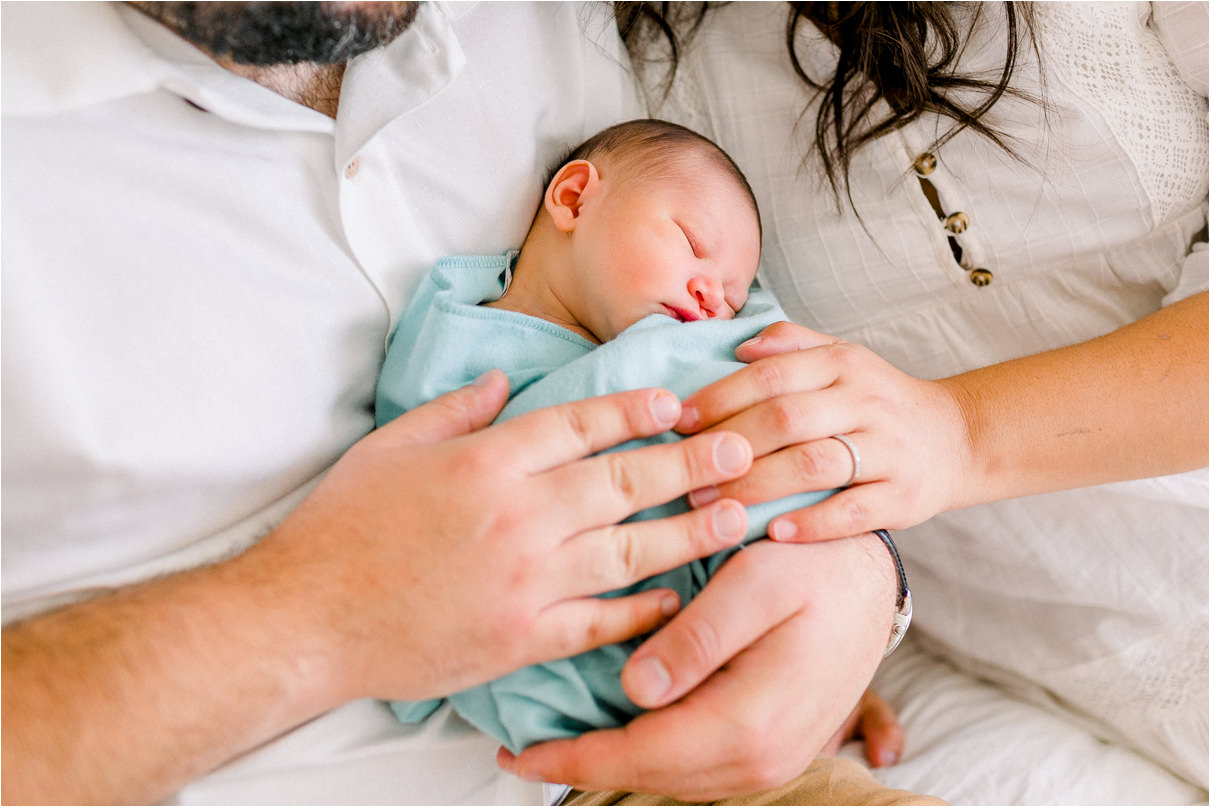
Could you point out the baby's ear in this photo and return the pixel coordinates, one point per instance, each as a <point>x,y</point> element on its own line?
<point>573,185</point>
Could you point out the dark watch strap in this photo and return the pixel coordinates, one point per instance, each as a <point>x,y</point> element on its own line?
<point>903,615</point>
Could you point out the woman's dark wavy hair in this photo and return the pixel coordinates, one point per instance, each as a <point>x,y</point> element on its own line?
<point>903,53</point>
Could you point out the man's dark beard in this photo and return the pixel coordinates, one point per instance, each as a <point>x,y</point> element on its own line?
<point>284,33</point>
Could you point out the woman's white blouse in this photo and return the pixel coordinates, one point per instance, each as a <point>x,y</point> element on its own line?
<point>1094,598</point>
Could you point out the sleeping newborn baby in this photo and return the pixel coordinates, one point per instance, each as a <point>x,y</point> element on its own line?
<point>635,273</point>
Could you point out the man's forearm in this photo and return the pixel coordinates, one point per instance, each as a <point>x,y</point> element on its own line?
<point>128,697</point>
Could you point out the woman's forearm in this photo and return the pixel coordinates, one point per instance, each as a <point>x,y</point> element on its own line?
<point>1130,404</point>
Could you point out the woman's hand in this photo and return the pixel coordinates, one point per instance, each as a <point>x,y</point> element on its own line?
<point>802,387</point>
<point>1126,405</point>
<point>748,684</point>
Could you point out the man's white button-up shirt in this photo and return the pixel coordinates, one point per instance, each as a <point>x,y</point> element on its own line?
<point>199,280</point>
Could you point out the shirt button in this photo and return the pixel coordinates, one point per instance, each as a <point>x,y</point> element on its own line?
<point>352,168</point>
<point>981,277</point>
<point>955,223</point>
<point>924,164</point>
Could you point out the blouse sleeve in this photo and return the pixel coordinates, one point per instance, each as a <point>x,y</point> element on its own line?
<point>1194,275</point>
<point>1182,28</point>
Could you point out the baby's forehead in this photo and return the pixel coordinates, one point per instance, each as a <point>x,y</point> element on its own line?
<point>690,168</point>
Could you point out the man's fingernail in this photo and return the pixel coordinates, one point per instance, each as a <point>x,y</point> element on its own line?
<point>729,522</point>
<point>703,496</point>
<point>731,455</point>
<point>650,680</point>
<point>665,408</point>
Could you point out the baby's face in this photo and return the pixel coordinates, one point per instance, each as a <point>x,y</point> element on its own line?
<point>685,245</point>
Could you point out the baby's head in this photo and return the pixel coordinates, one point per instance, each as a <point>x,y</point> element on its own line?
<point>645,217</point>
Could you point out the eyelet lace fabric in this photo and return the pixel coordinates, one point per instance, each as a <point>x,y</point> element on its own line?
<point>1102,53</point>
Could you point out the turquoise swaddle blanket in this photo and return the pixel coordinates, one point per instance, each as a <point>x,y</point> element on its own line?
<point>445,340</point>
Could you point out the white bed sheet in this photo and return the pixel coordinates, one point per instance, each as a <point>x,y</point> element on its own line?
<point>961,731</point>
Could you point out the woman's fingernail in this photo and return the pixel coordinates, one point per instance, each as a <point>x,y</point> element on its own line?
<point>783,531</point>
<point>729,522</point>
<point>703,496</point>
<point>665,408</point>
<point>650,680</point>
<point>731,455</point>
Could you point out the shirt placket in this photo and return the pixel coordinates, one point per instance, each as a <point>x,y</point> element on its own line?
<point>958,222</point>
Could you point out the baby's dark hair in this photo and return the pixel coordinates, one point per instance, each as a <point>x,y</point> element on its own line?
<point>651,145</point>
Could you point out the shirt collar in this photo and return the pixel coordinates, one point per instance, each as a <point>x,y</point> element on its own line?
<point>389,82</point>
<point>43,72</point>
<point>127,54</point>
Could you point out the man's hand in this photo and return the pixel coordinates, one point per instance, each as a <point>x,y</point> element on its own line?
<point>748,684</point>
<point>466,558</point>
<point>436,554</point>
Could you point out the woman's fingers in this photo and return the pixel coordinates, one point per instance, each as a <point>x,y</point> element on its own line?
<point>818,465</point>
<point>822,414</point>
<point>852,511</point>
<point>785,359</point>
<point>782,337</point>
<point>761,381</point>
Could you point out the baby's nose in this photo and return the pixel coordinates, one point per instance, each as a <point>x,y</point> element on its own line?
<point>709,294</point>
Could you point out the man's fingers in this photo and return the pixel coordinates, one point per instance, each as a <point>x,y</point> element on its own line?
<point>556,435</point>
<point>646,754</point>
<point>713,725</point>
<point>611,558</point>
<point>456,413</point>
<point>759,720</point>
<point>575,626</point>
<point>607,752</point>
<point>610,487</point>
<point>707,633</point>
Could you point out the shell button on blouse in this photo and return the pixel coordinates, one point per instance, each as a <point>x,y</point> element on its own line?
<point>924,164</point>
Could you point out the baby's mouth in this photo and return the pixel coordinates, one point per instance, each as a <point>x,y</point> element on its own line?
<point>683,315</point>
